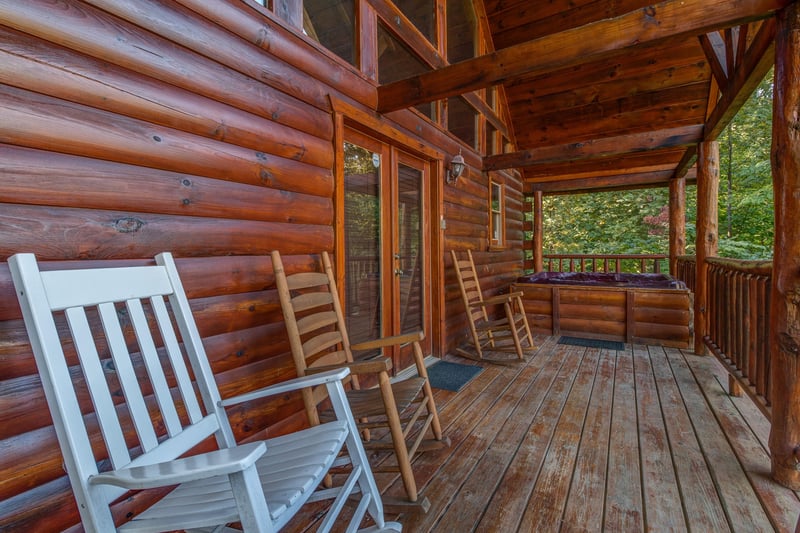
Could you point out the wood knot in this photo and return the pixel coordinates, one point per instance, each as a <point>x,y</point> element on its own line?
<point>650,14</point>
<point>788,344</point>
<point>128,224</point>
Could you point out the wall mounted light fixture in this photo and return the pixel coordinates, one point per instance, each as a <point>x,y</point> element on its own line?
<point>455,169</point>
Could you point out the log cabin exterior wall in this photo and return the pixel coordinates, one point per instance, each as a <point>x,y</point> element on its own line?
<point>202,128</point>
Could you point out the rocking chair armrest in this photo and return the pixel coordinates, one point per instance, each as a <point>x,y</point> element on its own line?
<point>203,466</point>
<point>389,341</point>
<point>337,373</point>
<point>494,300</point>
<point>365,366</point>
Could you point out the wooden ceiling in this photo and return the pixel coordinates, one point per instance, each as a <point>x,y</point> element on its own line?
<point>606,94</point>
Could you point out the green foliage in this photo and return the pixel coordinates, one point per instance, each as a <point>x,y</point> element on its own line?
<point>629,222</point>
<point>637,222</point>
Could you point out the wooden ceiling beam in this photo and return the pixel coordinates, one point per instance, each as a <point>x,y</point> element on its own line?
<point>594,185</point>
<point>543,18</point>
<point>673,116</point>
<point>751,69</point>
<point>718,69</point>
<point>611,172</point>
<point>623,181</point>
<point>687,162</point>
<point>607,166</point>
<point>669,18</point>
<point>755,64</point>
<point>596,148</point>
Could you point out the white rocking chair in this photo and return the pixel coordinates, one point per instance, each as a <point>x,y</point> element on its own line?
<point>123,333</point>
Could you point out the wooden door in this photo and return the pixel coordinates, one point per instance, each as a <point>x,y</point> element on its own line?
<point>386,235</point>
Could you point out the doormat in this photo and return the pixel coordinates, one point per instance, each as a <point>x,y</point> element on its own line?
<point>451,376</point>
<point>592,343</point>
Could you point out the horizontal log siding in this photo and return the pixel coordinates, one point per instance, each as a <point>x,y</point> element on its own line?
<point>202,128</point>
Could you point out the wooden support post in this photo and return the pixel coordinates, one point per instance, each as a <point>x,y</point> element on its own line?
<point>538,225</point>
<point>706,243</point>
<point>784,335</point>
<point>677,222</point>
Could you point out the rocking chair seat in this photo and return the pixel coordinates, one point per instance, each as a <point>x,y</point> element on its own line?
<point>288,474</point>
<point>366,403</point>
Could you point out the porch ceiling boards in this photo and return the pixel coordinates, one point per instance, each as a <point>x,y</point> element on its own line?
<point>582,439</point>
<point>605,95</point>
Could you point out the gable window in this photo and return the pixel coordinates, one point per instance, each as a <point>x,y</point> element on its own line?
<point>462,121</point>
<point>497,219</point>
<point>462,28</point>
<point>396,62</point>
<point>332,24</point>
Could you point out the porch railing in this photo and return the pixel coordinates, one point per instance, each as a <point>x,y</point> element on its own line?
<point>686,270</point>
<point>605,263</point>
<point>738,320</point>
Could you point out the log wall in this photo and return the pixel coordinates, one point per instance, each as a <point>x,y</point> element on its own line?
<point>202,128</point>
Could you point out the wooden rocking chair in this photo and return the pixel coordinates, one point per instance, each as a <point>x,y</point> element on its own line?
<point>122,330</point>
<point>318,336</point>
<point>506,334</point>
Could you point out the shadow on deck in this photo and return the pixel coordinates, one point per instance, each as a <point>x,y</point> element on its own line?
<point>583,439</point>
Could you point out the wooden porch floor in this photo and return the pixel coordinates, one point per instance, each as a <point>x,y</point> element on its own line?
<point>583,439</point>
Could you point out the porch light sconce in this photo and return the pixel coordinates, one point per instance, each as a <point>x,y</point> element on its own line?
<point>455,169</point>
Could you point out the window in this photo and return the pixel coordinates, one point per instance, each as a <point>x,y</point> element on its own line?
<point>496,214</point>
<point>461,30</point>
<point>462,121</point>
<point>491,139</point>
<point>421,13</point>
<point>397,62</point>
<point>332,25</point>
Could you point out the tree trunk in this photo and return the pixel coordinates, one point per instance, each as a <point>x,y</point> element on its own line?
<point>784,440</point>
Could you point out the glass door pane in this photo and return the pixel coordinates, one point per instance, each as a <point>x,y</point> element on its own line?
<point>409,262</point>
<point>362,251</point>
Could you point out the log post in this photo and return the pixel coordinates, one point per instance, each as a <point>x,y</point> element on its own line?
<point>706,243</point>
<point>784,335</point>
<point>538,238</point>
<point>677,222</point>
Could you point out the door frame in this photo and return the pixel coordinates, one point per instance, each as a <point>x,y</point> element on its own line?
<point>345,115</point>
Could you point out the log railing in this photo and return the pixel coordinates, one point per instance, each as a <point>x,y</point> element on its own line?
<point>738,320</point>
<point>686,270</point>
<point>604,262</point>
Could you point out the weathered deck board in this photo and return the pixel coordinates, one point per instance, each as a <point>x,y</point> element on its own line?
<point>511,498</point>
<point>663,510</point>
<point>582,439</point>
<point>624,508</point>
<point>552,486</point>
<point>703,509</point>
<point>589,479</point>
<point>743,508</point>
